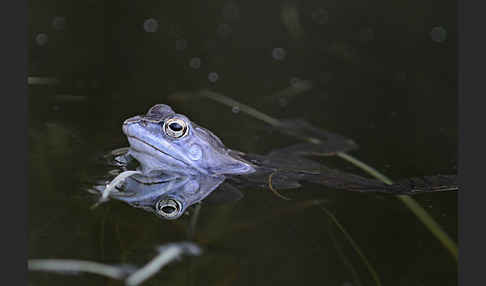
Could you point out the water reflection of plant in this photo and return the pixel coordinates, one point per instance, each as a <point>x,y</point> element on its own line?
<point>409,202</point>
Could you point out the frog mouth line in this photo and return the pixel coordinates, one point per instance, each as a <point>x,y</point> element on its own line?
<point>157,149</point>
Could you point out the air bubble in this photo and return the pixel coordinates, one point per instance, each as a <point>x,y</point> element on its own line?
<point>213,77</point>
<point>279,54</point>
<point>438,34</point>
<point>41,39</point>
<point>235,109</point>
<point>151,25</point>
<point>195,63</point>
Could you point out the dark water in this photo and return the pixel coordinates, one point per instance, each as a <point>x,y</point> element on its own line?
<point>383,74</point>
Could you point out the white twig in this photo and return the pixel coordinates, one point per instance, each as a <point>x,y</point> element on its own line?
<point>76,266</point>
<point>167,254</point>
<point>118,179</point>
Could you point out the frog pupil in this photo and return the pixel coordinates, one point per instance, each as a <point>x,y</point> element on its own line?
<point>168,209</point>
<point>175,126</point>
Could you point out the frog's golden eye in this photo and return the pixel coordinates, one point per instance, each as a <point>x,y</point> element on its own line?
<point>175,127</point>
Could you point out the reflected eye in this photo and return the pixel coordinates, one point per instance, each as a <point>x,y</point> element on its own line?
<point>168,208</point>
<point>175,127</point>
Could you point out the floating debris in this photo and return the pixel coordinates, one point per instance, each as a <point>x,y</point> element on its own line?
<point>129,273</point>
<point>111,186</point>
<point>75,266</point>
<point>167,254</point>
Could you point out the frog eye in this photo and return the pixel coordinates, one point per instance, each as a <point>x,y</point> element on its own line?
<point>175,127</point>
<point>168,208</point>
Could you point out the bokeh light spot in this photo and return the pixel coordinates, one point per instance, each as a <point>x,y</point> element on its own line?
<point>438,34</point>
<point>41,39</point>
<point>151,25</point>
<point>195,63</point>
<point>213,77</point>
<point>279,54</point>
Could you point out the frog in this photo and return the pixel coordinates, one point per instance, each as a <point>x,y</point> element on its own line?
<point>168,145</point>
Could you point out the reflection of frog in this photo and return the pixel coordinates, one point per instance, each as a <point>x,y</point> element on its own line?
<point>168,199</point>
<point>165,142</point>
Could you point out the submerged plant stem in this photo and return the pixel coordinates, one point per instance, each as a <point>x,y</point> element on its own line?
<point>243,107</point>
<point>340,252</point>
<point>275,192</point>
<point>411,204</point>
<point>354,245</point>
